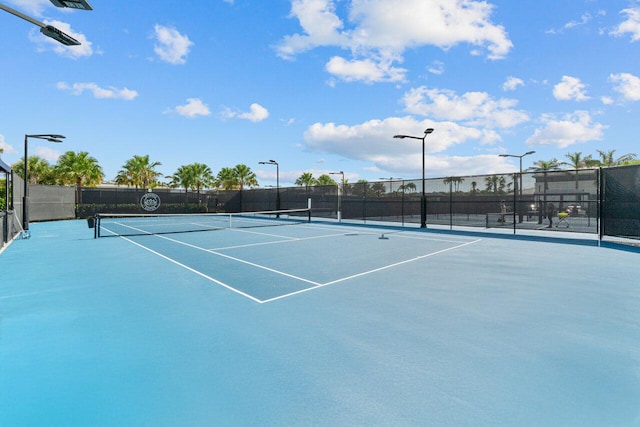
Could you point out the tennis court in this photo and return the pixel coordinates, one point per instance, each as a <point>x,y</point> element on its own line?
<point>319,323</point>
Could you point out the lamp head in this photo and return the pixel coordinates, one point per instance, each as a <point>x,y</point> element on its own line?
<point>428,131</point>
<point>400,136</point>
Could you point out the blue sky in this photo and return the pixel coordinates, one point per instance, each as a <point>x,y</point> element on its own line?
<point>323,85</point>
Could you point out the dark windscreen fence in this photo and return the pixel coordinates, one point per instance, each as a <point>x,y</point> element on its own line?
<point>564,200</point>
<point>51,202</point>
<point>621,202</point>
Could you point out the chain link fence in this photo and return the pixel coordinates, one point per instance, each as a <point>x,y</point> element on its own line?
<point>604,201</point>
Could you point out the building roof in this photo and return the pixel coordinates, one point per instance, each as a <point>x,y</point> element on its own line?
<point>4,168</point>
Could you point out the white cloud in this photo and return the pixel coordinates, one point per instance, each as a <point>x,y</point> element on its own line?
<point>472,108</point>
<point>568,130</point>
<point>49,154</point>
<point>366,70</point>
<point>6,147</point>
<point>631,25</point>
<point>48,44</point>
<point>606,100</point>
<point>570,89</point>
<point>373,141</point>
<point>256,113</point>
<point>172,47</point>
<point>437,68</point>
<point>97,91</point>
<point>584,19</point>
<point>627,85</point>
<point>192,109</point>
<point>379,31</point>
<point>33,7</point>
<point>512,83</point>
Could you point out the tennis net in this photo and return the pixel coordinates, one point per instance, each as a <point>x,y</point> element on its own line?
<point>142,224</point>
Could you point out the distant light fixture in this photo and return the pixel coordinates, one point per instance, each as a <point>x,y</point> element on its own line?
<point>59,36</point>
<point>47,30</point>
<point>73,4</point>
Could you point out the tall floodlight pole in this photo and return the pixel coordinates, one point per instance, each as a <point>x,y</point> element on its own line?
<point>520,175</point>
<point>339,195</point>
<point>423,201</point>
<point>47,30</point>
<point>25,196</point>
<point>273,162</point>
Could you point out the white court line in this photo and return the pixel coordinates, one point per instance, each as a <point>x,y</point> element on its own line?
<point>282,273</point>
<point>216,281</point>
<point>315,285</point>
<point>371,271</point>
<point>399,233</point>
<point>292,239</point>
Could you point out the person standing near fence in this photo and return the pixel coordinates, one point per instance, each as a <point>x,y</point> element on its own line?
<point>551,211</point>
<point>503,211</point>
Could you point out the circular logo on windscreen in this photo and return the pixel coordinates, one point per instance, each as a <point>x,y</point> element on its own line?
<point>150,202</point>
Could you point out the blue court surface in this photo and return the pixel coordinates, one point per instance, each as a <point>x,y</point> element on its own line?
<point>320,324</point>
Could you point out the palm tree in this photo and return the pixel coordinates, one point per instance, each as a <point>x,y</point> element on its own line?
<point>325,179</point>
<point>306,179</point>
<point>409,187</point>
<point>195,176</point>
<point>474,187</point>
<point>545,166</point>
<point>378,189</point>
<point>607,159</point>
<point>455,181</point>
<point>40,171</point>
<point>140,172</point>
<point>576,162</point>
<point>79,169</point>
<point>495,183</point>
<point>202,176</point>
<point>227,179</point>
<point>244,176</point>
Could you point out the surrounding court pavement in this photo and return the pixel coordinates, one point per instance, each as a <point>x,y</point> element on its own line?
<point>419,328</point>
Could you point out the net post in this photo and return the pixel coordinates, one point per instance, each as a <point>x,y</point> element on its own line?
<point>309,209</point>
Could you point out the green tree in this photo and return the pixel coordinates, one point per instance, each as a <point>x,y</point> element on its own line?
<point>79,169</point>
<point>195,176</point>
<point>454,181</point>
<point>495,183</point>
<point>607,158</point>
<point>245,177</point>
<point>409,187</point>
<point>378,189</point>
<point>576,161</point>
<point>325,179</point>
<point>545,166</point>
<point>40,171</point>
<point>139,172</point>
<point>227,179</point>
<point>306,179</point>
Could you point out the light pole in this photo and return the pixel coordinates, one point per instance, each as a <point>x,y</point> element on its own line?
<point>520,175</point>
<point>50,30</point>
<point>25,196</point>
<point>339,196</point>
<point>273,162</point>
<point>423,201</point>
